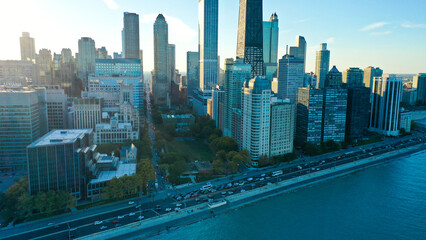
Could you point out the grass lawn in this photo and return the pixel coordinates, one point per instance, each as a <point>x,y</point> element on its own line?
<point>366,142</point>
<point>194,150</point>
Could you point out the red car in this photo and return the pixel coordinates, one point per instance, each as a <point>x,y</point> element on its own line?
<point>195,195</point>
<point>115,221</point>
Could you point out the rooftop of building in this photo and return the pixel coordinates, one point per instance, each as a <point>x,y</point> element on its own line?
<point>56,137</point>
<point>108,126</point>
<point>119,60</point>
<point>17,89</point>
<point>122,170</point>
<point>259,84</point>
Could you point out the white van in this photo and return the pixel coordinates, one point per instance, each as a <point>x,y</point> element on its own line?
<point>206,187</point>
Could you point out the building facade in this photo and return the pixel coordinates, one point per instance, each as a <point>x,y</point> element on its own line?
<point>387,93</point>
<point>419,82</point>
<point>160,84</point>
<point>256,112</point>
<point>322,65</point>
<point>236,74</point>
<point>87,112</point>
<point>23,119</point>
<point>27,43</point>
<point>334,114</point>
<point>18,73</point>
<point>299,51</point>
<point>290,77</point>
<point>357,114</point>
<point>353,77</point>
<point>309,115</point>
<point>85,58</point>
<point>192,72</point>
<point>270,46</point>
<point>131,48</point>
<point>334,78</point>
<point>57,161</point>
<point>369,74</point>
<point>282,128</point>
<point>115,132</point>
<point>250,35</point>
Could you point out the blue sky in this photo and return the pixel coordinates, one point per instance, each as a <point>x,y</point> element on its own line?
<point>390,34</point>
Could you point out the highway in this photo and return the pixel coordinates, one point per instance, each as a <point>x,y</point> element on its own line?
<point>221,188</point>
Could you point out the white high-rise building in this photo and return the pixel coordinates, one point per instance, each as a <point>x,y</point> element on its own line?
<point>256,112</point>
<point>387,93</point>
<point>283,116</point>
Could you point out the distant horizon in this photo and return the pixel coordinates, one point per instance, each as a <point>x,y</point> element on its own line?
<point>357,36</point>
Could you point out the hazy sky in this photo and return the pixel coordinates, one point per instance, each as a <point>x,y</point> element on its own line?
<point>390,34</point>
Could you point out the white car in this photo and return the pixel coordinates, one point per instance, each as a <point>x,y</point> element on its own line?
<point>138,206</point>
<point>131,203</point>
<point>132,214</point>
<point>120,217</point>
<point>50,224</point>
<point>103,227</point>
<point>99,222</point>
<point>141,217</point>
<point>242,190</point>
<point>250,179</point>
<point>177,209</point>
<point>263,175</point>
<point>178,204</point>
<point>168,209</point>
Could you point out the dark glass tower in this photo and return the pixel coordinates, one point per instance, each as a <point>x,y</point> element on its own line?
<point>131,48</point>
<point>250,35</point>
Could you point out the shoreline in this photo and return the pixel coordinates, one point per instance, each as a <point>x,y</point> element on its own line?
<point>161,224</point>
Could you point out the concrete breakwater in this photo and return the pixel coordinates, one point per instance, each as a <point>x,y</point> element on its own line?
<point>197,213</point>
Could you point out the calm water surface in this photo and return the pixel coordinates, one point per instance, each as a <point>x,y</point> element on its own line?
<point>385,202</point>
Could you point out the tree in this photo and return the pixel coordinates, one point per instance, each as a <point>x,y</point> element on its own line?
<point>225,143</point>
<point>176,169</point>
<point>311,149</point>
<point>146,172</point>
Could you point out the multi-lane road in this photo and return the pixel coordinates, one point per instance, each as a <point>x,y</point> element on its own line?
<point>192,195</point>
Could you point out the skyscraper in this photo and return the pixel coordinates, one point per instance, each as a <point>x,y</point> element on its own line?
<point>270,46</point>
<point>322,65</point>
<point>23,119</point>
<point>256,112</point>
<point>357,114</point>
<point>192,74</point>
<point>300,50</point>
<point>208,11</point>
<point>290,77</point>
<point>282,128</point>
<point>353,77</point>
<point>236,74</point>
<point>45,65</point>
<point>309,115</point>
<point>250,35</point>
<point>86,58</point>
<point>130,36</point>
<point>160,82</point>
<point>419,82</point>
<point>369,74</point>
<point>171,62</point>
<point>334,114</point>
<point>384,114</point>
<point>334,78</point>
<point>28,51</point>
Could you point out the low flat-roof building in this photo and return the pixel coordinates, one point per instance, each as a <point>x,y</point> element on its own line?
<point>115,132</point>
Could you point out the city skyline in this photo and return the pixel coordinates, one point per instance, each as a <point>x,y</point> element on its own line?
<point>355,40</point>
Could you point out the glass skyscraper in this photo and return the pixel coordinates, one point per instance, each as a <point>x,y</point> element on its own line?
<point>23,119</point>
<point>192,68</point>
<point>160,83</point>
<point>322,65</point>
<point>131,48</point>
<point>250,35</point>
<point>208,12</point>
<point>270,46</point>
<point>85,58</point>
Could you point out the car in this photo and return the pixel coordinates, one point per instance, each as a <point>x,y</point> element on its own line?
<point>50,224</point>
<point>120,217</point>
<point>141,217</point>
<point>195,195</point>
<point>168,210</point>
<point>99,222</point>
<point>117,225</point>
<point>138,206</point>
<point>178,204</point>
<point>158,208</point>
<point>103,227</point>
<point>197,199</point>
<point>177,209</point>
<point>131,203</point>
<point>115,221</point>
<point>269,183</point>
<point>73,229</point>
<point>242,190</point>
<point>263,175</point>
<point>230,192</point>
<point>132,214</point>
<point>261,179</point>
<point>223,193</point>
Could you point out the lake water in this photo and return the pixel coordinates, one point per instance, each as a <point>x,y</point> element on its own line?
<point>385,202</point>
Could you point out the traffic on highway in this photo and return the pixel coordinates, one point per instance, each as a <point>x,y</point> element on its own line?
<point>214,192</point>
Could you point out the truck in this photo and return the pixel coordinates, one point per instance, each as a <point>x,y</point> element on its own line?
<point>217,204</point>
<point>277,173</point>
